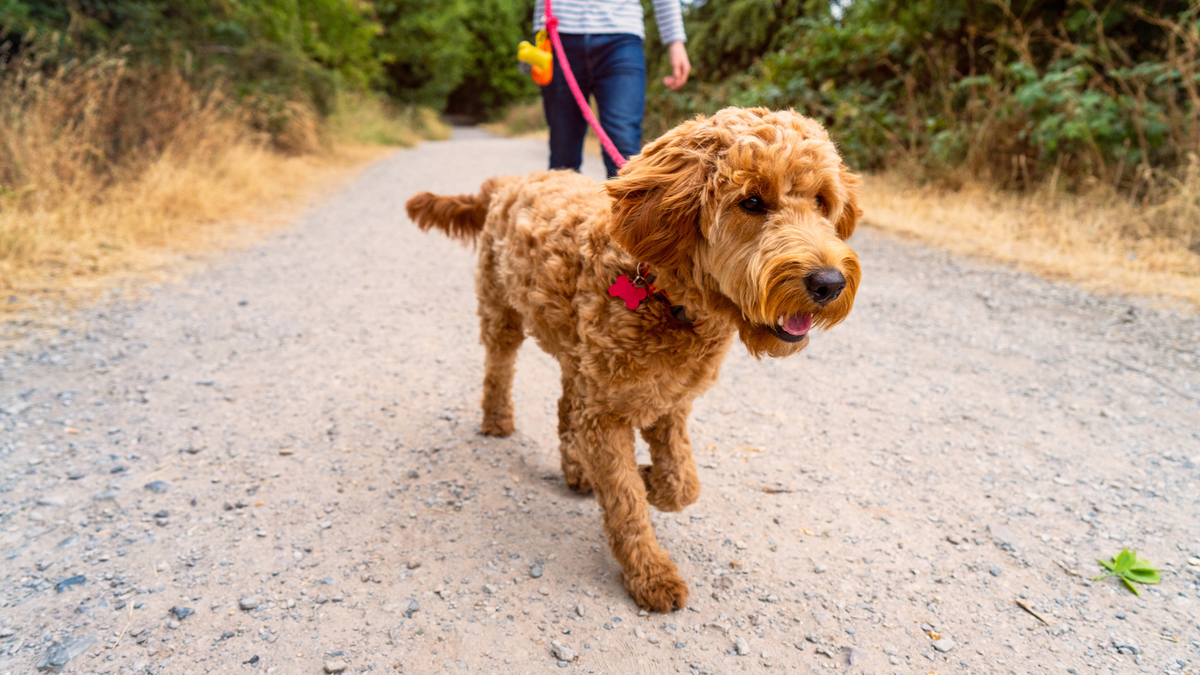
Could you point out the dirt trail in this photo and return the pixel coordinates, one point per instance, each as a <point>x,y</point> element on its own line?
<point>306,414</point>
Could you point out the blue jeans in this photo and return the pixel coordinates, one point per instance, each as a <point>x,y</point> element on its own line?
<point>611,67</point>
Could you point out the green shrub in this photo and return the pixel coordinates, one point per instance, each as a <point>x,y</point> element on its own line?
<point>424,44</point>
<point>491,81</point>
<point>279,51</point>
<point>456,55</point>
<point>1018,92</point>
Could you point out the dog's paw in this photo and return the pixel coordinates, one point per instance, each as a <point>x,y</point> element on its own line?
<point>578,481</point>
<point>670,492</point>
<point>660,589</point>
<point>497,427</point>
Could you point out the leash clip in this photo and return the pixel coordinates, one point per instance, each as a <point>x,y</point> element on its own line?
<point>644,280</point>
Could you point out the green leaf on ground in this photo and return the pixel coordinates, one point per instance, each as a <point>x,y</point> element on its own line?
<point>1131,569</point>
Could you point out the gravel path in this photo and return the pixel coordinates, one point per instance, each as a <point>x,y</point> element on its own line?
<point>283,448</point>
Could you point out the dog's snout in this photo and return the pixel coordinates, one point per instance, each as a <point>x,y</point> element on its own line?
<point>824,286</point>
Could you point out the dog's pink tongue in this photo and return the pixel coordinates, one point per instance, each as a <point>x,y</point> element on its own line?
<point>798,324</point>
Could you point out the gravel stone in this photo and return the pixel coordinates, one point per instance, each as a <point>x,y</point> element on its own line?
<point>158,486</point>
<point>59,654</point>
<point>562,652</point>
<point>740,647</point>
<point>944,645</point>
<point>1126,646</point>
<point>67,583</point>
<point>248,603</point>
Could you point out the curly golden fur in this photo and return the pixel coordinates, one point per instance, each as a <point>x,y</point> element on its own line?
<point>736,213</point>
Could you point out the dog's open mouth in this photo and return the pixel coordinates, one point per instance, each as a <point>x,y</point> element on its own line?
<point>792,328</point>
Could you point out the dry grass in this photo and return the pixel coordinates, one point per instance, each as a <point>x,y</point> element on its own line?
<point>1101,241</point>
<point>520,121</point>
<point>372,120</point>
<point>109,174</point>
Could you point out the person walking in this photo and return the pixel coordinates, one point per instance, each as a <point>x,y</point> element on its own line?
<point>603,41</point>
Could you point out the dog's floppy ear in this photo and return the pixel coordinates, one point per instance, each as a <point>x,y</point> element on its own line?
<point>657,196</point>
<point>850,211</point>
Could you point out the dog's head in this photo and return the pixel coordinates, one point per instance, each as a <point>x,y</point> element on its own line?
<point>753,206</point>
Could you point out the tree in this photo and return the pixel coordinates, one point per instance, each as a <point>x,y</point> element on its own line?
<point>426,46</point>
<point>491,80</point>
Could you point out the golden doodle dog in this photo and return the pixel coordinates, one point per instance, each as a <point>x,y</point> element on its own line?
<point>727,225</point>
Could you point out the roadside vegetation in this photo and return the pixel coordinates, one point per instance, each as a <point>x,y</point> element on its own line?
<point>1061,136</point>
<point>134,132</point>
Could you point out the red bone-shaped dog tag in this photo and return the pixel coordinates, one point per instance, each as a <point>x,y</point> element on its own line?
<point>625,290</point>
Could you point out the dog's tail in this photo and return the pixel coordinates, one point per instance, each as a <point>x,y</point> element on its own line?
<point>460,217</point>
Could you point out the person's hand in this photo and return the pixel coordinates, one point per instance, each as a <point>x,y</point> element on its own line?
<point>680,66</point>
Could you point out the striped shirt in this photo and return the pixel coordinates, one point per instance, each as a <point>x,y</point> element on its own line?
<point>612,16</point>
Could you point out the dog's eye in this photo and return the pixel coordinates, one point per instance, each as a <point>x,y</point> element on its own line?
<point>754,205</point>
<point>822,205</point>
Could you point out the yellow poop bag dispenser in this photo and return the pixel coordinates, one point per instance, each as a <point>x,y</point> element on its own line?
<point>539,58</point>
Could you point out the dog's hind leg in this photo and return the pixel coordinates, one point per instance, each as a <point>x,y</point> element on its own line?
<point>502,334</point>
<point>648,573</point>
<point>569,410</point>
<point>671,480</point>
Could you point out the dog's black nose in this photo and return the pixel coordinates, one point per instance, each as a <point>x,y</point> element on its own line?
<point>824,286</point>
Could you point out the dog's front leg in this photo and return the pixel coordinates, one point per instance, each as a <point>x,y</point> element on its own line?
<point>570,409</point>
<point>646,569</point>
<point>671,481</point>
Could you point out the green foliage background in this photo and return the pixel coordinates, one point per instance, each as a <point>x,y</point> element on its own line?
<point>305,49</point>
<point>1016,91</point>
<point>427,52</point>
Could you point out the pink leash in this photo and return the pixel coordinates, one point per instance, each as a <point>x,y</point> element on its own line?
<point>552,29</point>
